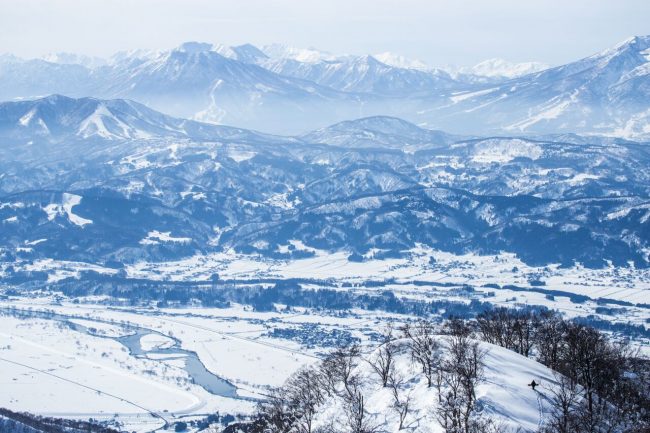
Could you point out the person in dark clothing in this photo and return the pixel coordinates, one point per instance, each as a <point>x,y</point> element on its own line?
<point>533,384</point>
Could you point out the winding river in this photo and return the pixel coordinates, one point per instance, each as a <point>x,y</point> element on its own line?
<point>196,370</point>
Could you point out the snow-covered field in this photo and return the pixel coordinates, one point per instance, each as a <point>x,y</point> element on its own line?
<point>422,264</point>
<point>78,360</point>
<point>626,284</point>
<point>49,367</point>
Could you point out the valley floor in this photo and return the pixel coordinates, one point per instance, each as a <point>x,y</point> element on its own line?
<point>147,367</point>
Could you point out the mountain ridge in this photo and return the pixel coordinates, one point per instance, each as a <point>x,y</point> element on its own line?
<point>376,183</point>
<point>291,91</point>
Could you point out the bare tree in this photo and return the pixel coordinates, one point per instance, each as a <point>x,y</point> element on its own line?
<point>276,413</point>
<point>497,327</point>
<point>424,348</point>
<point>401,400</point>
<point>305,395</point>
<point>294,406</point>
<point>513,329</point>
<point>463,372</point>
<point>526,324</point>
<point>457,328</point>
<point>383,359</point>
<point>591,361</point>
<point>565,400</point>
<point>358,419</point>
<point>338,368</point>
<point>449,412</point>
<point>549,339</point>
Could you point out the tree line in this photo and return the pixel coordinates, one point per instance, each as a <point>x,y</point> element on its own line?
<point>603,385</point>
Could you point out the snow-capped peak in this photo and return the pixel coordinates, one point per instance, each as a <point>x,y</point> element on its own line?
<point>125,56</point>
<point>303,55</point>
<point>245,53</point>
<point>74,59</point>
<point>635,50</point>
<point>194,47</point>
<point>640,43</point>
<point>400,61</point>
<point>503,68</point>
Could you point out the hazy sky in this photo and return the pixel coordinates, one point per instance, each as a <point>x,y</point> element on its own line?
<point>439,32</point>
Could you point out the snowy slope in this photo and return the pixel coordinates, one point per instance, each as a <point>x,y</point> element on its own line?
<point>503,397</point>
<point>400,61</point>
<point>58,117</point>
<point>605,93</point>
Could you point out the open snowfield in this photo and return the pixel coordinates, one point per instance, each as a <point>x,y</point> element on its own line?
<point>49,367</point>
<point>430,275</point>
<point>624,284</point>
<point>81,362</point>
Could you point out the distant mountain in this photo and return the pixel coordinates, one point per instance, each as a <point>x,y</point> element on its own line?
<point>363,74</point>
<point>606,93</point>
<point>63,58</point>
<point>33,78</point>
<point>383,74</point>
<point>302,55</point>
<point>500,68</point>
<point>287,90</point>
<point>110,180</point>
<point>380,132</point>
<point>400,61</point>
<point>58,118</point>
<point>245,53</point>
<point>194,80</point>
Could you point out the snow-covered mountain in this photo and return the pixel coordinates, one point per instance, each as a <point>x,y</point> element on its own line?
<point>400,61</point>
<point>246,53</point>
<point>21,78</point>
<point>59,118</point>
<point>194,80</point>
<point>288,90</point>
<point>364,74</point>
<point>64,58</point>
<point>500,68</point>
<point>606,93</point>
<point>380,132</point>
<point>303,55</point>
<point>383,74</point>
<point>95,178</point>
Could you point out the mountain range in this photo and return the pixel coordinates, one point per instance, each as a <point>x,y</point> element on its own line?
<point>108,181</point>
<point>292,91</point>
